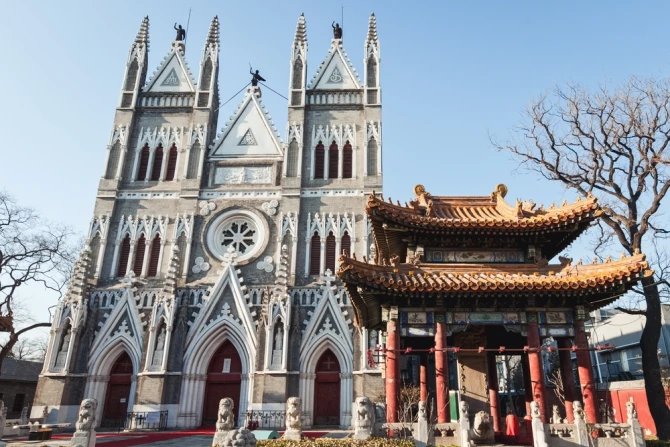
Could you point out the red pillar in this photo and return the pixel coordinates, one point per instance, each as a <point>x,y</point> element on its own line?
<point>392,368</point>
<point>536,370</point>
<point>585,373</point>
<point>441,374</point>
<point>493,391</point>
<point>567,377</point>
<point>422,381</point>
<point>528,394</point>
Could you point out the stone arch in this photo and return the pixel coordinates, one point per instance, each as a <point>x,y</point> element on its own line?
<point>100,367</point>
<point>309,358</point>
<point>197,357</point>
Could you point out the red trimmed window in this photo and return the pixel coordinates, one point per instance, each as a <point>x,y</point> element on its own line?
<point>330,252</point>
<point>139,255</point>
<point>123,257</point>
<point>333,158</point>
<point>315,255</point>
<point>144,163</point>
<point>154,256</point>
<point>158,163</point>
<point>319,158</point>
<point>347,161</point>
<point>346,245</point>
<point>171,164</point>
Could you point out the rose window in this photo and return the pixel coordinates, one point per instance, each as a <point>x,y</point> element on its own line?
<point>237,230</point>
<point>240,233</point>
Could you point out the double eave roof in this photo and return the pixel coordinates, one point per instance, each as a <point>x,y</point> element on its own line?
<point>370,285</point>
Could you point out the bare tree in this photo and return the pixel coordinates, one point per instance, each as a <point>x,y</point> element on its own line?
<point>612,144</point>
<point>32,349</point>
<point>32,251</point>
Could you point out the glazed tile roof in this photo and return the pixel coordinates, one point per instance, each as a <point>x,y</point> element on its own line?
<point>486,212</point>
<point>601,282</point>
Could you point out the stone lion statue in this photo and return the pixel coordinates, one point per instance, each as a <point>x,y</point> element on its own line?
<point>364,413</point>
<point>482,429</point>
<point>556,415</point>
<point>86,420</point>
<point>423,414</point>
<point>577,410</point>
<point>293,421</point>
<point>631,412</point>
<point>226,418</point>
<point>240,438</point>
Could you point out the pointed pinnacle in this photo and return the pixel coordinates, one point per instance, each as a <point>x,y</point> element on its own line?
<point>372,28</point>
<point>213,36</point>
<point>301,29</point>
<point>143,33</point>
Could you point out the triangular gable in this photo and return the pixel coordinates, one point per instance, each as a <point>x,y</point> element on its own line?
<point>171,76</point>
<point>335,73</point>
<point>249,133</point>
<point>124,322</point>
<point>327,317</point>
<point>217,309</point>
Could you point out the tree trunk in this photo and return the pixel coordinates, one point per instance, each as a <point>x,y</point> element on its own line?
<point>651,367</point>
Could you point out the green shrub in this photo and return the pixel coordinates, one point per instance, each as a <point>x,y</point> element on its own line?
<point>329,442</point>
<point>657,443</point>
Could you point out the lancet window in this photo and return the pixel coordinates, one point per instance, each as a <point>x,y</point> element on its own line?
<point>315,255</point>
<point>330,252</point>
<point>171,163</point>
<point>123,259</point>
<point>347,160</point>
<point>144,163</point>
<point>319,159</point>
<point>345,248</point>
<point>372,157</point>
<point>292,159</point>
<point>157,164</point>
<point>154,257</point>
<point>333,156</point>
<point>139,255</point>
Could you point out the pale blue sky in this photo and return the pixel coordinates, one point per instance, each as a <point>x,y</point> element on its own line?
<point>451,72</point>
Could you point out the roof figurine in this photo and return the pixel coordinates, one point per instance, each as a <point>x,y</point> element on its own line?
<point>181,33</point>
<point>337,31</point>
<point>255,77</point>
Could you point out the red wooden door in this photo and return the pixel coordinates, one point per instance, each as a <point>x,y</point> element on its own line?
<point>327,390</point>
<point>224,377</point>
<point>118,390</point>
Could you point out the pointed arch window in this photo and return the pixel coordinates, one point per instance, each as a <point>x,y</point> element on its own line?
<point>158,163</point>
<point>333,156</point>
<point>155,255</point>
<point>372,73</point>
<point>297,74</point>
<point>140,247</point>
<point>345,244</point>
<point>131,77</point>
<point>319,159</point>
<point>123,259</point>
<point>372,157</point>
<point>315,255</point>
<point>347,160</point>
<point>330,252</point>
<point>171,163</point>
<point>292,159</point>
<point>206,76</point>
<point>144,163</point>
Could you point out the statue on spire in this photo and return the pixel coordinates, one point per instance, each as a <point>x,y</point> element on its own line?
<point>337,31</point>
<point>181,33</point>
<point>255,77</point>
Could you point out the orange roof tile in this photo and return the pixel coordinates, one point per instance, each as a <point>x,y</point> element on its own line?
<point>490,212</point>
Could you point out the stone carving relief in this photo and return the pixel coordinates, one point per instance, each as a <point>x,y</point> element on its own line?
<point>200,265</point>
<point>243,175</point>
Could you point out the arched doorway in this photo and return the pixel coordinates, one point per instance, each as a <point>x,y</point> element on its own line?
<point>118,391</point>
<point>327,390</point>
<point>224,377</point>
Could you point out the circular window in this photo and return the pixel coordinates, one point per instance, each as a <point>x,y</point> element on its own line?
<point>241,230</point>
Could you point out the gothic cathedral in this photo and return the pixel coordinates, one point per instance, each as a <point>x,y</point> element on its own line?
<point>209,266</point>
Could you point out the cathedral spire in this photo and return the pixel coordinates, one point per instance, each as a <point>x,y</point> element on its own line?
<point>372,31</point>
<point>371,63</point>
<point>297,79</point>
<point>208,87</point>
<point>136,66</point>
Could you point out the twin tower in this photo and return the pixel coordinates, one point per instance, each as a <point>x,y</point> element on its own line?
<point>210,259</point>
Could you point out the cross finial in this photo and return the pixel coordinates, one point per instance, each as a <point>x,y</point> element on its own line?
<point>328,278</point>
<point>129,279</point>
<point>231,254</point>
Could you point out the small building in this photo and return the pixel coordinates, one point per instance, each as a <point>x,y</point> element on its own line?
<point>18,382</point>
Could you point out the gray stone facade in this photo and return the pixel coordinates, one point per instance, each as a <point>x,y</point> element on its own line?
<point>210,248</point>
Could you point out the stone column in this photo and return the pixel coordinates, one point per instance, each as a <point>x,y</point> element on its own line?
<point>535,366</point>
<point>392,370</point>
<point>585,373</point>
<point>492,373</point>
<point>441,374</point>
<point>567,377</point>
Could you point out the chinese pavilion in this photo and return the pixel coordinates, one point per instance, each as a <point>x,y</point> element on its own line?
<point>470,278</point>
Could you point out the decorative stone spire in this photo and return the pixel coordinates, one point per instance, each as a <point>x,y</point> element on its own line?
<point>136,66</point>
<point>77,289</point>
<point>280,290</point>
<point>301,31</point>
<point>213,35</point>
<point>143,34</point>
<point>170,284</point>
<point>372,30</point>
